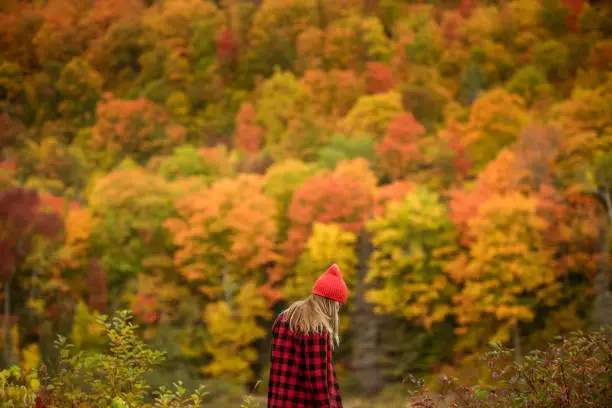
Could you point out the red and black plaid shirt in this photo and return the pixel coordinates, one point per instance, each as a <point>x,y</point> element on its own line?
<point>301,370</point>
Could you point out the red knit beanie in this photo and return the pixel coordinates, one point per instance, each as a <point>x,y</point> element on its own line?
<point>331,285</point>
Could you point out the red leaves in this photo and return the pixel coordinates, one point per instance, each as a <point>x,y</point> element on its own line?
<point>575,7</point>
<point>21,218</point>
<point>39,403</point>
<point>466,7</point>
<point>379,78</point>
<point>57,204</point>
<point>249,135</point>
<point>400,150</point>
<point>227,47</point>
<point>325,198</point>
<point>461,163</point>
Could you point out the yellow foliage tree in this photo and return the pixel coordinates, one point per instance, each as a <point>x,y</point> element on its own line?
<point>281,181</point>
<point>508,269</point>
<point>354,40</point>
<point>327,245</point>
<point>87,332</point>
<point>233,328</point>
<point>372,114</point>
<point>412,244</point>
<point>495,121</point>
<point>586,120</point>
<point>77,242</point>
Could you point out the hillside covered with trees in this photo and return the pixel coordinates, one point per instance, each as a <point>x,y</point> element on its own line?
<point>201,162</point>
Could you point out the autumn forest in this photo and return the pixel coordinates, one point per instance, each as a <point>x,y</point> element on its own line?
<point>200,163</point>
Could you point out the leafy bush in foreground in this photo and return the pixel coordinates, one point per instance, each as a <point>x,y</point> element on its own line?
<point>577,372</point>
<point>99,380</point>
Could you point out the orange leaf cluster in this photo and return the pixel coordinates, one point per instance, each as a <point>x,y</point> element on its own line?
<point>249,135</point>
<point>379,78</point>
<point>332,93</point>
<point>229,226</point>
<point>134,127</point>
<point>498,177</point>
<point>227,46</point>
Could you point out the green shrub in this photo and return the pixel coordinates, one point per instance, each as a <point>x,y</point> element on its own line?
<point>552,57</point>
<point>18,389</point>
<point>529,83</point>
<point>575,373</point>
<point>114,378</point>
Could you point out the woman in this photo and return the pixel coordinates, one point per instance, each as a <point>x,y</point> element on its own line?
<point>303,337</point>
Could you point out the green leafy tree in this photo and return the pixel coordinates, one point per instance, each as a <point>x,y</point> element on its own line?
<point>116,54</point>
<point>353,41</point>
<point>179,24</point>
<point>281,182</point>
<point>372,114</point>
<point>342,148</point>
<point>130,206</point>
<point>185,162</point>
<point>53,167</point>
<point>274,106</point>
<point>552,57</point>
<point>413,242</point>
<point>273,35</point>
<point>11,82</point>
<point>79,88</point>
<point>422,49</point>
<point>529,83</point>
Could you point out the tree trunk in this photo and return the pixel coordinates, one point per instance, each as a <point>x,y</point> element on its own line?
<point>9,358</point>
<point>366,359</point>
<point>602,305</point>
<point>516,339</point>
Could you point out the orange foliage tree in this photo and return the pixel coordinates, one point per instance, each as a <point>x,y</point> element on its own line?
<point>224,234</point>
<point>379,77</point>
<point>249,135</point>
<point>225,237</point>
<point>504,274</point>
<point>136,129</point>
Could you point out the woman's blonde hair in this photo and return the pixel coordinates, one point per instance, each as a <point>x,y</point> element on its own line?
<point>315,314</point>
